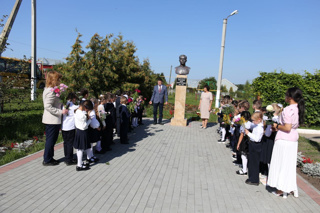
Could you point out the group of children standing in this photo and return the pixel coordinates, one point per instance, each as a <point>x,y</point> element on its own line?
<point>93,121</point>
<point>251,140</point>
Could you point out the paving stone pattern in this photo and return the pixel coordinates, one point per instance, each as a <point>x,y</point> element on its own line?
<point>163,169</point>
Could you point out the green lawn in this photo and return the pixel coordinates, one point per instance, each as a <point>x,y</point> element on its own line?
<point>309,148</point>
<point>192,103</point>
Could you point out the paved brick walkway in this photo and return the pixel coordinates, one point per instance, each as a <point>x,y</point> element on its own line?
<point>164,169</point>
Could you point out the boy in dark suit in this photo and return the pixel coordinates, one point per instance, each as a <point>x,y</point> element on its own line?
<point>125,119</point>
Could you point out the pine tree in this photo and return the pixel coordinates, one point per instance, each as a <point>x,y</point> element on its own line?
<point>74,73</point>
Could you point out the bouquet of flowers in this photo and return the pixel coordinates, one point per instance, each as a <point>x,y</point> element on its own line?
<point>102,115</point>
<point>132,104</point>
<point>240,121</point>
<point>59,89</point>
<point>227,112</point>
<point>269,114</point>
<point>215,110</point>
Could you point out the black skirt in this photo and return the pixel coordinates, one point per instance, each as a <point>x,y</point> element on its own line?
<point>270,144</point>
<point>93,135</point>
<point>267,147</point>
<point>244,147</point>
<point>81,140</point>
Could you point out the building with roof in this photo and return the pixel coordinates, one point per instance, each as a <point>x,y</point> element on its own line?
<point>228,84</point>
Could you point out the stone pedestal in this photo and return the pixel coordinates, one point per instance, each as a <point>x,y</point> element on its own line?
<point>180,102</point>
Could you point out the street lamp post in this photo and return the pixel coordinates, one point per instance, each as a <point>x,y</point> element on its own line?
<point>33,50</point>
<point>224,28</point>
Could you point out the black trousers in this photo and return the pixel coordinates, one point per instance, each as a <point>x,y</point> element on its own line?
<point>52,133</point>
<point>107,138</point>
<point>140,111</point>
<point>254,161</point>
<point>68,139</point>
<point>124,133</point>
<point>155,112</point>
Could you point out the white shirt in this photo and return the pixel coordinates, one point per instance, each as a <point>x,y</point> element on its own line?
<point>80,120</point>
<point>94,122</point>
<point>68,120</point>
<point>256,133</point>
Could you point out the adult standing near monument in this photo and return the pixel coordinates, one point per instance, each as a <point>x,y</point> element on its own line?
<point>159,97</point>
<point>205,105</point>
<point>52,117</point>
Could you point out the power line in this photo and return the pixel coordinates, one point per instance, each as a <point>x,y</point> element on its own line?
<point>10,40</point>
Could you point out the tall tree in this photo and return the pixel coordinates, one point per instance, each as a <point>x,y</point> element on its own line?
<point>74,73</point>
<point>211,82</point>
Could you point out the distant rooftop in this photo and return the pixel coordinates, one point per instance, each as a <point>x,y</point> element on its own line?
<point>49,61</point>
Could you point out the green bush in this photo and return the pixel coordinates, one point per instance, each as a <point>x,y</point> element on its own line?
<point>21,125</point>
<point>271,87</point>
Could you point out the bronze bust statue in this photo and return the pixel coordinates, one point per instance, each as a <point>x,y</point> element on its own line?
<point>182,69</point>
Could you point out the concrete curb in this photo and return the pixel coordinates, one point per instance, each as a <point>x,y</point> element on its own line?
<point>309,131</point>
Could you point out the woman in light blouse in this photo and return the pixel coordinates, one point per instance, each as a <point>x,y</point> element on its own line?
<point>282,173</point>
<point>51,117</point>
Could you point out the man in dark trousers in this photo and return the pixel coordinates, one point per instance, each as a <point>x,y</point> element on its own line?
<point>159,97</point>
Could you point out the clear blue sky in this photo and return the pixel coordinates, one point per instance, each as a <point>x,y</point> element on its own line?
<point>264,36</point>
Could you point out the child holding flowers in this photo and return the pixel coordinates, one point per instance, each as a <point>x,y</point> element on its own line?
<point>242,145</point>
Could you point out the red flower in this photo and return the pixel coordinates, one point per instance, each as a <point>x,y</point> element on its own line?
<point>138,91</point>
<point>44,133</point>
<point>307,160</point>
<point>12,145</point>
<point>145,99</point>
<point>57,90</point>
<point>129,100</point>
<point>171,112</point>
<point>230,115</point>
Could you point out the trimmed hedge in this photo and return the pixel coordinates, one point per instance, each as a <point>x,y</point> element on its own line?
<point>21,125</point>
<point>271,87</point>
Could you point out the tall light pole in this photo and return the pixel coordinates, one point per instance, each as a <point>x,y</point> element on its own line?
<point>33,49</point>
<point>224,28</point>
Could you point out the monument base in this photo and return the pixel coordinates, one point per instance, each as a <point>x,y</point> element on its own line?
<point>180,102</point>
<point>178,122</point>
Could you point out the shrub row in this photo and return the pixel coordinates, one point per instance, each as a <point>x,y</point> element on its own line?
<point>21,125</point>
<point>271,87</point>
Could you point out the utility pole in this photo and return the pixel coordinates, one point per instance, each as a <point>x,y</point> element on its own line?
<point>170,76</point>
<point>8,26</point>
<point>33,49</point>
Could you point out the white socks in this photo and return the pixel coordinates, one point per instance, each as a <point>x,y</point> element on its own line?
<point>79,156</point>
<point>98,146</point>
<point>135,121</point>
<point>89,152</point>
<point>244,163</point>
<point>223,134</point>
